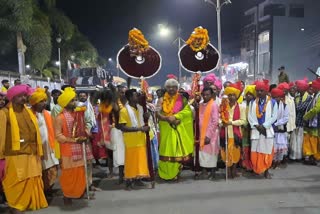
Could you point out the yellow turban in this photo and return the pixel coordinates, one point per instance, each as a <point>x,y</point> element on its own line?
<point>66,96</point>
<point>37,96</point>
<point>250,89</point>
<point>234,88</point>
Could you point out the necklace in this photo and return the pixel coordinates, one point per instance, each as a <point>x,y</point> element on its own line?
<point>258,113</point>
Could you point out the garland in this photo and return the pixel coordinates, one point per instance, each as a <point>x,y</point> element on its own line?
<point>224,110</point>
<point>137,42</point>
<point>80,108</point>
<point>169,103</point>
<point>259,115</point>
<point>104,108</point>
<point>199,39</point>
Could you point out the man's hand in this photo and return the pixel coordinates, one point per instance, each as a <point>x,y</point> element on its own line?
<point>171,119</point>
<point>207,141</point>
<point>145,128</point>
<point>176,122</point>
<point>81,139</point>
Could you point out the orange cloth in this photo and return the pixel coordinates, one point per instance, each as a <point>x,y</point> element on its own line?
<point>23,185</point>
<point>205,122</point>
<point>49,123</point>
<point>261,162</point>
<point>73,182</point>
<point>233,153</point>
<point>136,165</point>
<point>310,145</point>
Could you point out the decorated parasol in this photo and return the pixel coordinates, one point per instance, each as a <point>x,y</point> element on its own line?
<point>198,56</point>
<point>138,60</point>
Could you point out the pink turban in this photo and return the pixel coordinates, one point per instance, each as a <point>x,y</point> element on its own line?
<point>210,78</point>
<point>262,85</point>
<point>302,85</point>
<point>17,90</point>
<point>218,84</point>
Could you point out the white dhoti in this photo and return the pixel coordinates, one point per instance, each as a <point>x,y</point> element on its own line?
<point>296,142</point>
<point>207,160</point>
<point>118,152</point>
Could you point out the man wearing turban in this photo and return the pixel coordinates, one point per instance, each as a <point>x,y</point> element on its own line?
<point>70,133</point>
<point>176,131</point>
<point>280,127</point>
<point>38,101</point>
<point>2,161</point>
<point>302,101</point>
<point>21,146</point>
<point>233,116</point>
<point>312,132</point>
<point>262,114</point>
<point>289,101</point>
<point>249,96</point>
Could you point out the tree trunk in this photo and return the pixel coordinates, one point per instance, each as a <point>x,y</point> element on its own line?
<point>21,48</point>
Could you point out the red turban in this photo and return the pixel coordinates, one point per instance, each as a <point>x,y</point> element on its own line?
<point>171,76</point>
<point>302,85</point>
<point>316,84</point>
<point>17,90</point>
<point>277,92</point>
<point>291,84</point>
<point>262,85</point>
<point>284,86</point>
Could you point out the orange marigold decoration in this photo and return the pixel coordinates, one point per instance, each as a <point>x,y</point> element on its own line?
<point>105,108</point>
<point>145,89</point>
<point>80,108</point>
<point>168,103</point>
<point>224,109</point>
<point>138,44</point>
<point>260,114</point>
<point>195,89</point>
<point>199,39</point>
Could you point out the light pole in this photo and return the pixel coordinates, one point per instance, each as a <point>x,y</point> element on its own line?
<point>165,32</point>
<point>59,57</point>
<point>218,5</point>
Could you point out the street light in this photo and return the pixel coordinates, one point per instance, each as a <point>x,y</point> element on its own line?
<point>110,59</point>
<point>164,31</point>
<point>218,7</point>
<point>59,39</point>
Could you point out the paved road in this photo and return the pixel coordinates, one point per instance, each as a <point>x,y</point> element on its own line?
<point>293,190</point>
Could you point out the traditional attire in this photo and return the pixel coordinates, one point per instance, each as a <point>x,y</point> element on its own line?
<point>22,149</point>
<point>176,142</point>
<point>136,162</point>
<point>301,102</point>
<point>262,146</point>
<point>49,161</point>
<point>246,132</point>
<point>208,124</point>
<point>232,133</point>
<point>280,129</point>
<point>73,177</point>
<point>311,139</point>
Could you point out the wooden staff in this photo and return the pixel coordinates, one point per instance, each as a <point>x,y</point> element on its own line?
<point>148,140</point>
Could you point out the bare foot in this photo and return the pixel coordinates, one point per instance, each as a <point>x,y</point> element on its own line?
<point>267,175</point>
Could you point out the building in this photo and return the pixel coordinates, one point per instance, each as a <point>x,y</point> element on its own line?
<point>281,33</point>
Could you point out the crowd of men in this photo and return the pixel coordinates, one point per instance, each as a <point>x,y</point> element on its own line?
<point>251,128</point>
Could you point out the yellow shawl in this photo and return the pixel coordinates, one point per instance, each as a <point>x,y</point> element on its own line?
<point>15,132</point>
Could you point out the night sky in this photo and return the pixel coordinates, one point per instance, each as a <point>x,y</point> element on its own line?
<point>107,22</point>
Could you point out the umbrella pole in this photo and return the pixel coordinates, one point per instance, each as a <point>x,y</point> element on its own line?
<point>86,168</point>
<point>227,156</point>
